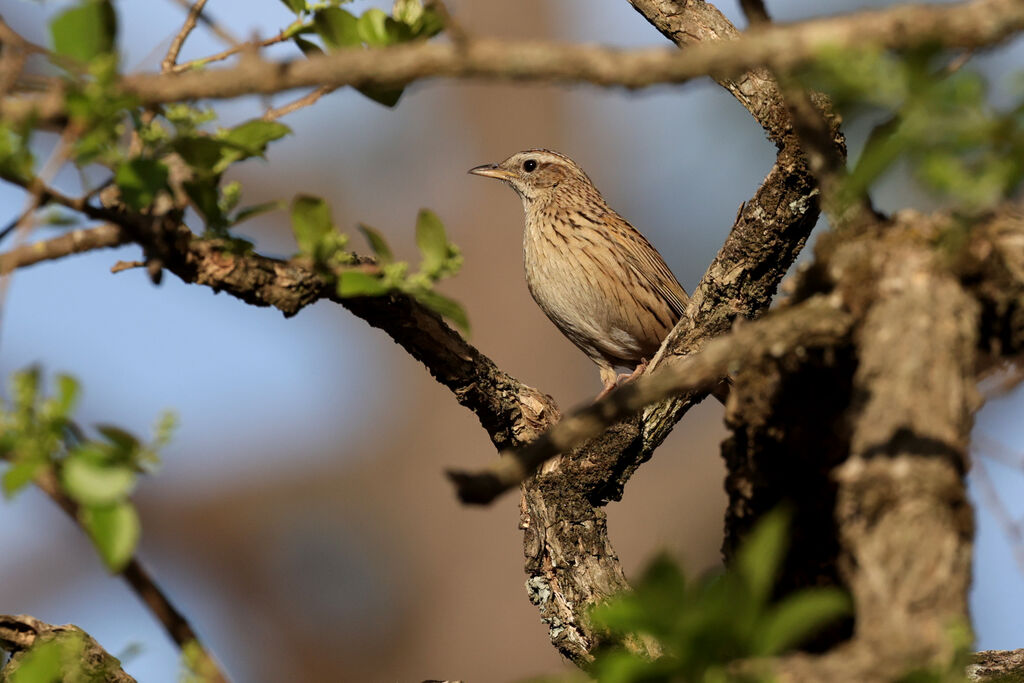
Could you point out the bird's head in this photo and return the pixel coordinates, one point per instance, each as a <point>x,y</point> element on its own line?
<point>538,174</point>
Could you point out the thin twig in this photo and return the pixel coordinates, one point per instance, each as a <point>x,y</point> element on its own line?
<point>286,34</point>
<point>214,26</point>
<point>122,266</point>
<point>304,101</point>
<point>995,504</point>
<point>179,40</point>
<point>39,193</point>
<point>140,580</point>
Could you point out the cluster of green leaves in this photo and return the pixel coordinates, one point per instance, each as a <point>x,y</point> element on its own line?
<point>320,240</point>
<point>705,625</point>
<point>85,36</point>
<point>339,29</point>
<point>38,437</point>
<point>938,119</point>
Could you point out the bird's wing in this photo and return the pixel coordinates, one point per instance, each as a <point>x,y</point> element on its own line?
<point>645,260</point>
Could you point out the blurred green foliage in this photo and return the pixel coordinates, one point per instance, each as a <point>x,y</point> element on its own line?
<point>60,657</point>
<point>38,438</point>
<point>937,117</point>
<point>703,626</point>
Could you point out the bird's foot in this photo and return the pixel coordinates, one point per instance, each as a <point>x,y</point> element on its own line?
<point>630,376</point>
<point>608,387</point>
<point>614,381</point>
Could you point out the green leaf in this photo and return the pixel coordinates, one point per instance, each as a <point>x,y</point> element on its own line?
<point>257,209</point>
<point>95,483</point>
<point>761,553</point>
<point>358,283</point>
<point>377,29</point>
<point>206,198</point>
<point>85,31</point>
<point>15,157</point>
<point>60,656</point>
<point>337,28</point>
<point>449,308</point>
<point>68,390</point>
<point>797,617</point>
<point>201,152</point>
<point>25,388</point>
<point>114,530</point>
<point>139,181</point>
<point>19,475</point>
<point>253,136</point>
<point>428,25</point>
<point>308,47</point>
<point>377,243</point>
<point>431,240</point>
<point>311,222</point>
<point>407,11</point>
<point>296,6</point>
<point>373,27</point>
<point>382,94</point>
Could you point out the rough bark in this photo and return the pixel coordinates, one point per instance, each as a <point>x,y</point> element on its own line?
<point>875,469</point>
<point>19,633</point>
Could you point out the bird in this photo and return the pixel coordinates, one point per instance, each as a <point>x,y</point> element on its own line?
<point>602,284</point>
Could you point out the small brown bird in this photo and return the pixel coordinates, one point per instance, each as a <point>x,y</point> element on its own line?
<point>598,280</point>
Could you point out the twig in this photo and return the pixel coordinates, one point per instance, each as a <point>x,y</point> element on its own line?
<point>811,324</point>
<point>74,242</point>
<point>286,34</point>
<point>179,40</point>
<point>755,12</point>
<point>1011,528</point>
<point>214,26</point>
<point>173,621</point>
<point>122,266</point>
<point>304,101</point>
<point>39,192</point>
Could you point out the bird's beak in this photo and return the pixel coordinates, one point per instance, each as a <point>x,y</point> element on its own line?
<point>491,171</point>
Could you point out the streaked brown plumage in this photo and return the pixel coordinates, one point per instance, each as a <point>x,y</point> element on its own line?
<point>602,284</point>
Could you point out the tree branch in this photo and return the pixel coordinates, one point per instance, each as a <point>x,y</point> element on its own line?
<point>812,324</point>
<point>74,242</point>
<point>965,25</point>
<point>20,633</point>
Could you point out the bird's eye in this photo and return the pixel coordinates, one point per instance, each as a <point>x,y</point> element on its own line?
<point>529,165</point>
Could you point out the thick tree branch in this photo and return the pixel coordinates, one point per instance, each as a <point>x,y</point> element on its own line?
<point>812,324</point>
<point>965,25</point>
<point>20,633</point>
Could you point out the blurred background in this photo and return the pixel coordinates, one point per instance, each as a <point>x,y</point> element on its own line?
<point>300,517</point>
